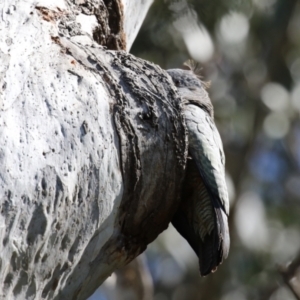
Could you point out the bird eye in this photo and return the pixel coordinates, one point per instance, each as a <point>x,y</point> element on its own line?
<point>176,82</point>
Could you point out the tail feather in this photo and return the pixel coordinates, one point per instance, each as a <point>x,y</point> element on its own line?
<point>213,249</point>
<point>223,232</point>
<point>215,246</point>
<point>209,256</point>
<point>202,221</point>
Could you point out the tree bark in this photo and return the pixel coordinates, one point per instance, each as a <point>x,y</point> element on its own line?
<point>93,147</point>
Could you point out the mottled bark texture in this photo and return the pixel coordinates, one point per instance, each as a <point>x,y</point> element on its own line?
<point>104,17</point>
<point>92,154</point>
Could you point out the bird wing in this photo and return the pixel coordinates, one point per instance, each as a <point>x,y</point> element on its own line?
<point>206,149</point>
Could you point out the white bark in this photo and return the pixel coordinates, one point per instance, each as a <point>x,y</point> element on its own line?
<point>91,155</point>
<point>134,14</point>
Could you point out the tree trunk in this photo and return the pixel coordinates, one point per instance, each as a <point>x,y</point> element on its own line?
<point>93,146</point>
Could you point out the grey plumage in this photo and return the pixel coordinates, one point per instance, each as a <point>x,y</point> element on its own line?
<point>203,215</point>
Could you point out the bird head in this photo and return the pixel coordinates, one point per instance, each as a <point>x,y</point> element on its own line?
<point>191,88</point>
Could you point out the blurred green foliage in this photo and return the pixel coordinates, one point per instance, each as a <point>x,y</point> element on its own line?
<point>250,51</point>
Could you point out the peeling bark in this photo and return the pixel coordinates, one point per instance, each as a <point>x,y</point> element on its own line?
<point>92,153</point>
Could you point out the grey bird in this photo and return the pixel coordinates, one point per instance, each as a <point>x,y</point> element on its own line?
<point>202,218</point>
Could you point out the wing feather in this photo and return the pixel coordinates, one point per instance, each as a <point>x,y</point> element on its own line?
<point>206,149</point>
